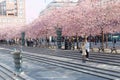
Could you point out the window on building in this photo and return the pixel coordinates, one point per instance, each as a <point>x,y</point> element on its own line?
<point>3,8</point>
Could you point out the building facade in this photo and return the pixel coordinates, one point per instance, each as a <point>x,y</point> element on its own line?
<point>63,3</point>
<point>58,4</point>
<point>12,12</point>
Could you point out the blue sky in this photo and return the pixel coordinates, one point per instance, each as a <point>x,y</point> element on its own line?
<point>33,8</point>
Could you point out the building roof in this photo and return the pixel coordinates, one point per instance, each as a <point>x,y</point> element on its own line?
<point>59,4</point>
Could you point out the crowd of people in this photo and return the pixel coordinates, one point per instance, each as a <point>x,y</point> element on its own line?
<point>69,43</point>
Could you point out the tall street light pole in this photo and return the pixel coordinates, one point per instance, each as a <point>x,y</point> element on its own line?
<point>102,39</point>
<point>77,40</point>
<point>23,38</point>
<point>90,39</point>
<point>106,40</point>
<point>59,36</point>
<point>47,38</point>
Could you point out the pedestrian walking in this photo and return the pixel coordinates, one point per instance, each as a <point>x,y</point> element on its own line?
<point>87,47</point>
<point>83,52</point>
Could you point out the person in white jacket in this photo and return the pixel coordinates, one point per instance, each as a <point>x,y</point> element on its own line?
<point>87,47</point>
<point>83,52</point>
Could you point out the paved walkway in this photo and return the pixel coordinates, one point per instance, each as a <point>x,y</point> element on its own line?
<point>42,71</point>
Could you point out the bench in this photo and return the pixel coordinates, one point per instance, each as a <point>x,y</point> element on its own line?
<point>113,49</point>
<point>100,49</point>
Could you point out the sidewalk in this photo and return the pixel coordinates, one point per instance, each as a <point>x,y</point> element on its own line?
<point>43,71</point>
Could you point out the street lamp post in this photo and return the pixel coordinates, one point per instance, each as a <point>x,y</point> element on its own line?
<point>23,38</point>
<point>90,41</point>
<point>77,40</point>
<point>46,38</point>
<point>102,33</point>
<point>59,36</point>
<point>90,38</point>
<point>106,40</point>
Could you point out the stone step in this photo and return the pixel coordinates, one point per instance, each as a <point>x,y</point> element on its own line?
<point>80,69</point>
